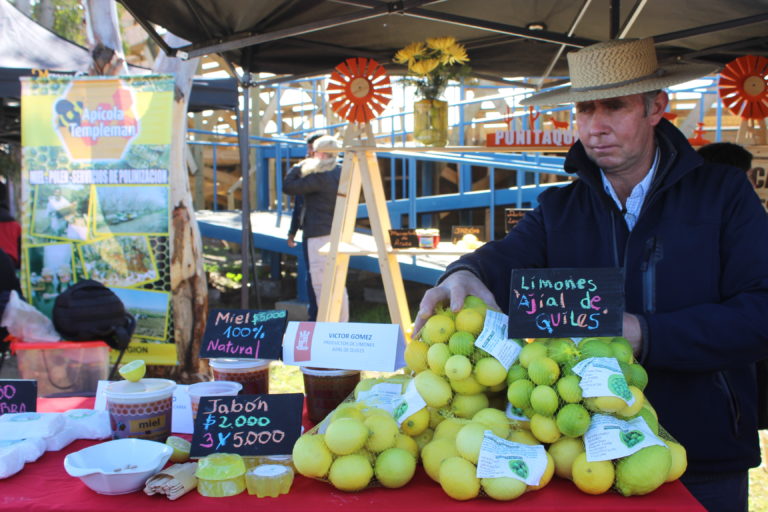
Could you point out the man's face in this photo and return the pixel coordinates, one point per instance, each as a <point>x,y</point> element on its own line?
<point>616,132</point>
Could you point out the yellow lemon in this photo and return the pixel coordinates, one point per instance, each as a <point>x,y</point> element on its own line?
<point>494,419</point>
<point>679,461</point>
<point>133,371</point>
<point>448,428</point>
<point>180,447</point>
<point>469,439</point>
<point>437,356</point>
<point>468,386</point>
<point>346,435</point>
<point>458,367</point>
<point>503,488</point>
<point>434,453</point>
<point>465,406</point>
<point>394,468</point>
<point>382,430</point>
<point>407,443</point>
<point>350,473</point>
<point>544,428</point>
<point>416,355</point>
<point>564,452</point>
<point>438,329</point>
<point>416,423</point>
<point>311,456</point>
<point>470,320</point>
<point>547,476</point>
<point>543,370</point>
<point>458,478</point>
<point>523,437</point>
<point>592,477</point>
<point>490,372</point>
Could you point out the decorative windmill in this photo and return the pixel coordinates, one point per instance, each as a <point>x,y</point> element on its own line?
<point>358,91</point>
<point>743,88</point>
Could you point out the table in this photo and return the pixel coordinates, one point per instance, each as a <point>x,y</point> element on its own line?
<point>45,486</point>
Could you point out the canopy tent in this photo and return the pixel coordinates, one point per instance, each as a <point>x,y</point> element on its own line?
<point>520,38</point>
<point>26,46</point>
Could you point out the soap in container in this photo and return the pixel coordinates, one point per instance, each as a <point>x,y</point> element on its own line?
<point>269,480</point>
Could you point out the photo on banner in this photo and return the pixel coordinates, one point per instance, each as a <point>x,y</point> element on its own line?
<point>149,308</point>
<point>61,212</point>
<point>131,210</point>
<point>50,271</point>
<point>96,196</point>
<point>119,260</point>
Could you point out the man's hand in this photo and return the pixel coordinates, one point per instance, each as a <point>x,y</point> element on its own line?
<point>633,333</point>
<point>455,287</point>
<point>290,241</point>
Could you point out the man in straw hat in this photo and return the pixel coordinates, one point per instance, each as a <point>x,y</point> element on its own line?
<point>691,238</point>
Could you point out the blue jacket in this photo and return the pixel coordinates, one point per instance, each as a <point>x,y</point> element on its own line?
<point>703,304</point>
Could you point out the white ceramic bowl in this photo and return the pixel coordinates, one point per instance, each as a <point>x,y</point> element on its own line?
<point>118,467</point>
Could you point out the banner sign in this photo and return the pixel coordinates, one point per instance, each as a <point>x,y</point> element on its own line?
<point>247,424</point>
<point>566,302</point>
<point>244,334</point>
<point>18,395</point>
<point>95,196</point>
<point>403,238</point>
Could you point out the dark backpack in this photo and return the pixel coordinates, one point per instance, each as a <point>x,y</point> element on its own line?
<point>89,311</point>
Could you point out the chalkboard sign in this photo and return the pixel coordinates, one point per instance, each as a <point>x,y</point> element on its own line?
<point>247,424</point>
<point>403,238</point>
<point>566,302</point>
<point>18,395</point>
<point>458,232</point>
<point>512,216</point>
<point>244,334</point>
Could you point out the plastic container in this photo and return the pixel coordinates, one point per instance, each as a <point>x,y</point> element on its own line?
<point>325,389</point>
<point>253,374</point>
<point>269,480</point>
<point>428,238</point>
<point>220,475</point>
<point>64,367</point>
<point>141,409</point>
<point>215,388</point>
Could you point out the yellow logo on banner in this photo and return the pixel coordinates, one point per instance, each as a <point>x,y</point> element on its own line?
<point>96,121</point>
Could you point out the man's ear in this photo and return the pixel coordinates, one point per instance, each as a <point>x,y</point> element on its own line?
<point>658,107</point>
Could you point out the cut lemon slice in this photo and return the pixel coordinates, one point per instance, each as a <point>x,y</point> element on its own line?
<point>180,447</point>
<point>133,371</point>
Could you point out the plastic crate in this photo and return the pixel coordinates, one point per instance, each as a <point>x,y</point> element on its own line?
<point>64,368</point>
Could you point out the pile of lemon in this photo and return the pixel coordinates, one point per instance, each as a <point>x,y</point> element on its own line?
<point>357,445</point>
<point>543,387</point>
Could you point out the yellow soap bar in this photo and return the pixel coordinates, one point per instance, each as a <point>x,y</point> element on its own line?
<point>269,480</point>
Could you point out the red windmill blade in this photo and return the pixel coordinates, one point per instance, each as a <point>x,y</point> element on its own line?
<point>359,89</point>
<point>743,86</point>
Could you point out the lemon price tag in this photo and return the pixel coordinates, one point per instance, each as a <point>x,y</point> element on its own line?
<point>410,403</point>
<point>385,395</point>
<point>602,376</point>
<point>493,339</point>
<point>501,458</point>
<point>515,413</point>
<point>610,438</point>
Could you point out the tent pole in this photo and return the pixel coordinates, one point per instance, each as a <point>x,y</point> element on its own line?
<point>245,245</point>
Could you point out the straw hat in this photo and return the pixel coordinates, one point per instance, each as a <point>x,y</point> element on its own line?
<point>619,67</point>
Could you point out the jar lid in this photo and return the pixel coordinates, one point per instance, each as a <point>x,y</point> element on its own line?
<point>269,470</point>
<point>327,372</point>
<point>238,364</point>
<point>145,388</point>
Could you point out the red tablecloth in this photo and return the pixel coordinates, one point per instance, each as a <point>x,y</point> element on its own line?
<point>45,486</point>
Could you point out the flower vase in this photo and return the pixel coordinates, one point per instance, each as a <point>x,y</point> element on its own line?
<point>430,122</point>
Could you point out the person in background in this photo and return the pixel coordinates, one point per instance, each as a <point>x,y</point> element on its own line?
<point>727,153</point>
<point>644,199</point>
<point>297,220</point>
<point>10,229</point>
<point>57,210</point>
<point>317,179</point>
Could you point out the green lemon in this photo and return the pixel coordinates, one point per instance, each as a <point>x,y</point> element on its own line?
<point>133,371</point>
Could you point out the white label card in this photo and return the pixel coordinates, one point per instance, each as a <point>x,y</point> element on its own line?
<point>385,395</point>
<point>493,339</point>
<point>514,413</point>
<point>410,403</point>
<point>501,458</point>
<point>602,376</point>
<point>610,438</point>
<point>347,346</point>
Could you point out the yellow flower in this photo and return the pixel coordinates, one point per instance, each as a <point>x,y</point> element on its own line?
<point>423,67</point>
<point>441,43</point>
<point>408,53</point>
<point>455,53</point>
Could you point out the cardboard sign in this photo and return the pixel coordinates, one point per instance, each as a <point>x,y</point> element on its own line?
<point>347,346</point>
<point>247,424</point>
<point>566,302</point>
<point>537,138</point>
<point>403,238</point>
<point>243,334</point>
<point>458,232</point>
<point>759,178</point>
<point>512,216</point>
<point>18,395</point>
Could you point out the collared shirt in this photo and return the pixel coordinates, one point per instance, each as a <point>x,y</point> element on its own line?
<point>637,197</point>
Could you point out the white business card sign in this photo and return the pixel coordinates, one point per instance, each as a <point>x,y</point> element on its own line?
<point>347,346</point>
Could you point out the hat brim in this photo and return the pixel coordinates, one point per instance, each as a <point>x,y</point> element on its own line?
<point>667,77</point>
